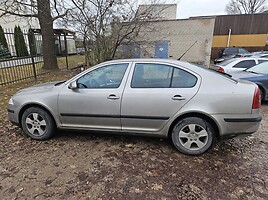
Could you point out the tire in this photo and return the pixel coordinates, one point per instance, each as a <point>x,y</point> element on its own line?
<point>193,136</point>
<point>37,123</point>
<point>262,94</point>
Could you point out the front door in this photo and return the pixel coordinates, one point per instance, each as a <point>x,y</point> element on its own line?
<point>95,104</point>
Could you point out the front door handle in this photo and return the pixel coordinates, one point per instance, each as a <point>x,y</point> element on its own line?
<point>178,97</point>
<point>113,96</point>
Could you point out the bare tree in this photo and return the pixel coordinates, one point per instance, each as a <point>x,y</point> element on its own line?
<point>46,11</point>
<point>105,25</point>
<point>246,6</point>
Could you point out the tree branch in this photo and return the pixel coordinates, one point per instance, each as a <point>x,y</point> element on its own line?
<point>16,14</point>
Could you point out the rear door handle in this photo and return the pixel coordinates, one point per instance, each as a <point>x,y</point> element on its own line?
<point>178,97</point>
<point>113,96</point>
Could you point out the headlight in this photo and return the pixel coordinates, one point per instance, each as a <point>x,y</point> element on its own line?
<point>10,101</point>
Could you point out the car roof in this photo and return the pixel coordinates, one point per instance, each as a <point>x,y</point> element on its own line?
<point>160,60</point>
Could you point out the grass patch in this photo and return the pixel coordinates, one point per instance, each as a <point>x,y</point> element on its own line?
<point>73,61</point>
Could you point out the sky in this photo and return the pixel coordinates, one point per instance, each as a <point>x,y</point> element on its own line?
<point>191,8</point>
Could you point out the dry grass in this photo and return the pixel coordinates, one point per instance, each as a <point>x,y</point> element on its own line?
<point>73,61</point>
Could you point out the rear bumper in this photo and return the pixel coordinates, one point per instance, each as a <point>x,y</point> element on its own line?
<point>233,126</point>
<point>256,119</point>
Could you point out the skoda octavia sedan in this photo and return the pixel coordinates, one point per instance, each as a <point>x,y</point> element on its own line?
<point>168,98</point>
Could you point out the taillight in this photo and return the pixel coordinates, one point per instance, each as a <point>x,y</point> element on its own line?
<point>221,70</point>
<point>256,99</point>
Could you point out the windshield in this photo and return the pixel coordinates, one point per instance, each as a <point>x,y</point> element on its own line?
<point>226,62</point>
<point>260,68</point>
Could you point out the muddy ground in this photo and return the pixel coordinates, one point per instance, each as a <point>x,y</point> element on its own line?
<point>75,165</point>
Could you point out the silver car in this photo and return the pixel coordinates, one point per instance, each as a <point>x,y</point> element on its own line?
<point>167,98</point>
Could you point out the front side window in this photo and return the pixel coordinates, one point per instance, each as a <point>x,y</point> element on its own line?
<point>109,76</point>
<point>147,75</point>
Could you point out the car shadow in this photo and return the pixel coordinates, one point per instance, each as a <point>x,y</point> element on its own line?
<point>221,148</point>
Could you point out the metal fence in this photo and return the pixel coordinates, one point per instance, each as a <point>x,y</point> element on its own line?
<point>21,56</point>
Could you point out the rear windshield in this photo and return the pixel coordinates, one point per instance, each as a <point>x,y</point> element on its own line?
<point>230,51</point>
<point>219,73</point>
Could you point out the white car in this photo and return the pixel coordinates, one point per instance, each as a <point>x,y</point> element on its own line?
<point>239,64</point>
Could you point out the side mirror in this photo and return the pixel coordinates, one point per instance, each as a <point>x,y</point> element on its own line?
<point>73,85</point>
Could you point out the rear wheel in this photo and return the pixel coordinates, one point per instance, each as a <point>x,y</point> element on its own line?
<point>37,123</point>
<point>193,136</point>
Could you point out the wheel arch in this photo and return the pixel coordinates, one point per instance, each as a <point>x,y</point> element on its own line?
<point>261,87</point>
<point>199,115</point>
<point>26,106</point>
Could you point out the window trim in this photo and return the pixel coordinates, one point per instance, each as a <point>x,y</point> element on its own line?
<point>172,73</point>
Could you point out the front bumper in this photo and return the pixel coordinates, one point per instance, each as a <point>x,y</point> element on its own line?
<point>13,116</point>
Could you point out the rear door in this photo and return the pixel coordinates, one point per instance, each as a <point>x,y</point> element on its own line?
<point>154,93</point>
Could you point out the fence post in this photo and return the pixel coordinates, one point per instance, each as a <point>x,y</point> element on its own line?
<point>66,50</point>
<point>33,63</point>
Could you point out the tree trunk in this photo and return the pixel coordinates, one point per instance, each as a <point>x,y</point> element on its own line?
<point>48,40</point>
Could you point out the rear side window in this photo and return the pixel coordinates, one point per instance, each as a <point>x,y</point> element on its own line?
<point>245,64</point>
<point>183,79</point>
<point>147,75</point>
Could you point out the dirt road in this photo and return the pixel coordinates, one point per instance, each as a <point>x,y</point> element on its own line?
<point>93,166</point>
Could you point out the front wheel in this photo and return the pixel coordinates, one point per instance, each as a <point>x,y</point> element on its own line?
<point>37,123</point>
<point>193,136</point>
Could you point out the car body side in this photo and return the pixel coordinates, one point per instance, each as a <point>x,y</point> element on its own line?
<point>224,109</point>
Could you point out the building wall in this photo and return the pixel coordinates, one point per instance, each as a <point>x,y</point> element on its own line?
<point>180,35</point>
<point>159,11</point>
<point>247,31</point>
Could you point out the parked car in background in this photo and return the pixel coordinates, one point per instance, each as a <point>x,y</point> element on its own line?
<point>231,52</point>
<point>157,97</point>
<point>238,64</point>
<point>80,51</point>
<point>262,54</point>
<point>257,74</point>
